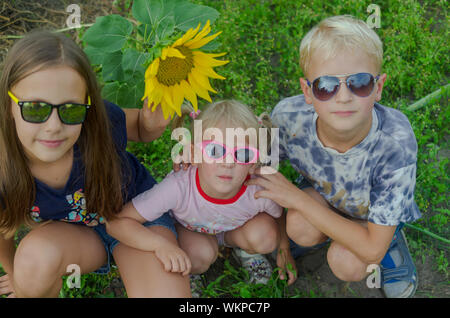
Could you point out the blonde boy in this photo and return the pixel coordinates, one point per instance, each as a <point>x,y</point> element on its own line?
<point>357,159</point>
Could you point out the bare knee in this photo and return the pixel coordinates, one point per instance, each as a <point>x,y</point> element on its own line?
<point>37,265</point>
<point>344,264</point>
<point>202,257</point>
<point>301,231</point>
<point>264,238</point>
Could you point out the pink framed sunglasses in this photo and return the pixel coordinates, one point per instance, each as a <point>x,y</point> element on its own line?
<point>217,151</point>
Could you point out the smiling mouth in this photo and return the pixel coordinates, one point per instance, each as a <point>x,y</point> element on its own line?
<point>51,143</point>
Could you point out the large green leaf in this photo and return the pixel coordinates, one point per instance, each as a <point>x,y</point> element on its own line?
<point>123,94</point>
<point>112,67</point>
<point>153,11</point>
<point>133,64</point>
<point>188,15</point>
<point>108,33</point>
<point>95,54</point>
<point>130,94</point>
<point>110,92</point>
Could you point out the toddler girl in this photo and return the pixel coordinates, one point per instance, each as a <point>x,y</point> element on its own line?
<point>209,200</point>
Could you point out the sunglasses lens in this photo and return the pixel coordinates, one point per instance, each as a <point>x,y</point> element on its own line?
<point>72,114</point>
<point>214,151</point>
<point>361,84</point>
<point>244,155</point>
<point>325,87</point>
<point>35,112</point>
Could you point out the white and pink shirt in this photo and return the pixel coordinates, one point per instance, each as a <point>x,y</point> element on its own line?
<point>195,210</point>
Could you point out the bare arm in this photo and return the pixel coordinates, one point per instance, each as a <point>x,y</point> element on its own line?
<point>143,125</point>
<point>369,244</point>
<point>129,230</point>
<point>284,256</point>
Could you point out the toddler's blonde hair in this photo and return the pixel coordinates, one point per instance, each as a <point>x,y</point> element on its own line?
<point>230,112</point>
<point>335,34</point>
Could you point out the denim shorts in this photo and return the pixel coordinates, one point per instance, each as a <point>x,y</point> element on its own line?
<point>109,242</point>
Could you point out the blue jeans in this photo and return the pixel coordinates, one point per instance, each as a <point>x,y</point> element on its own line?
<point>110,242</point>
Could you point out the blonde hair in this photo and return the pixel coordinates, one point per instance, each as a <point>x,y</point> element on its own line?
<point>231,112</point>
<point>338,33</point>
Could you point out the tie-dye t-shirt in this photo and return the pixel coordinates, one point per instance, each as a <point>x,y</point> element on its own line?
<point>373,181</point>
<point>69,204</point>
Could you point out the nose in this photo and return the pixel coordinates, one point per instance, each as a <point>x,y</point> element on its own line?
<point>228,160</point>
<point>53,123</point>
<point>344,95</point>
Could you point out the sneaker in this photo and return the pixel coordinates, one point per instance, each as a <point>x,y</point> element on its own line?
<point>257,266</point>
<point>197,285</point>
<point>398,273</point>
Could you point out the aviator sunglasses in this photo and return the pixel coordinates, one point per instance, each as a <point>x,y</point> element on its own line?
<point>217,151</point>
<point>360,84</point>
<point>38,112</point>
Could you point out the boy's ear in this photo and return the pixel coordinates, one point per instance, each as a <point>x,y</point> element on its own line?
<point>379,86</point>
<point>306,90</point>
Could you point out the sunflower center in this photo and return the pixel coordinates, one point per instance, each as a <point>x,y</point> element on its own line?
<point>173,70</point>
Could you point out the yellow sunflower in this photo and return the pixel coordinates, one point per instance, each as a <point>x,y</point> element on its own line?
<point>182,72</point>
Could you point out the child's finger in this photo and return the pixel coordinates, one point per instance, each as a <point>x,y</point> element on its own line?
<point>175,264</point>
<point>166,263</point>
<point>281,274</point>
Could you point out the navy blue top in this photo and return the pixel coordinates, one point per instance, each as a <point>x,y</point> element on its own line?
<point>69,204</point>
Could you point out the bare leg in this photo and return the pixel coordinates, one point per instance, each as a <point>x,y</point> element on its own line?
<point>201,248</point>
<point>299,229</point>
<point>143,274</point>
<point>43,255</point>
<point>259,235</point>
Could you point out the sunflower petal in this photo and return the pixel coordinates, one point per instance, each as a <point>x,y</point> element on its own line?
<point>208,71</point>
<point>189,93</point>
<point>198,89</point>
<point>202,80</point>
<point>152,70</point>
<point>187,36</point>
<point>173,52</point>
<point>206,59</point>
<point>178,97</point>
<point>193,44</point>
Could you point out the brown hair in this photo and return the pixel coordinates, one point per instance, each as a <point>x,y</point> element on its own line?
<point>102,175</point>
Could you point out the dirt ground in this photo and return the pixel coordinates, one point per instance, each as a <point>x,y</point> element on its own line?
<point>20,16</point>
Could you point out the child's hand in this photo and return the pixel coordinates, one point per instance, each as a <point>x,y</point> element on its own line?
<point>276,187</point>
<point>286,263</point>
<point>6,286</point>
<point>174,259</point>
<point>153,119</point>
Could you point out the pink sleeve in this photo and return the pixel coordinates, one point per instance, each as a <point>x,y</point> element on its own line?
<point>162,197</point>
<point>272,208</point>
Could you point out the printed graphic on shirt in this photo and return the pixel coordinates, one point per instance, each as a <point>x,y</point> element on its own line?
<point>77,214</point>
